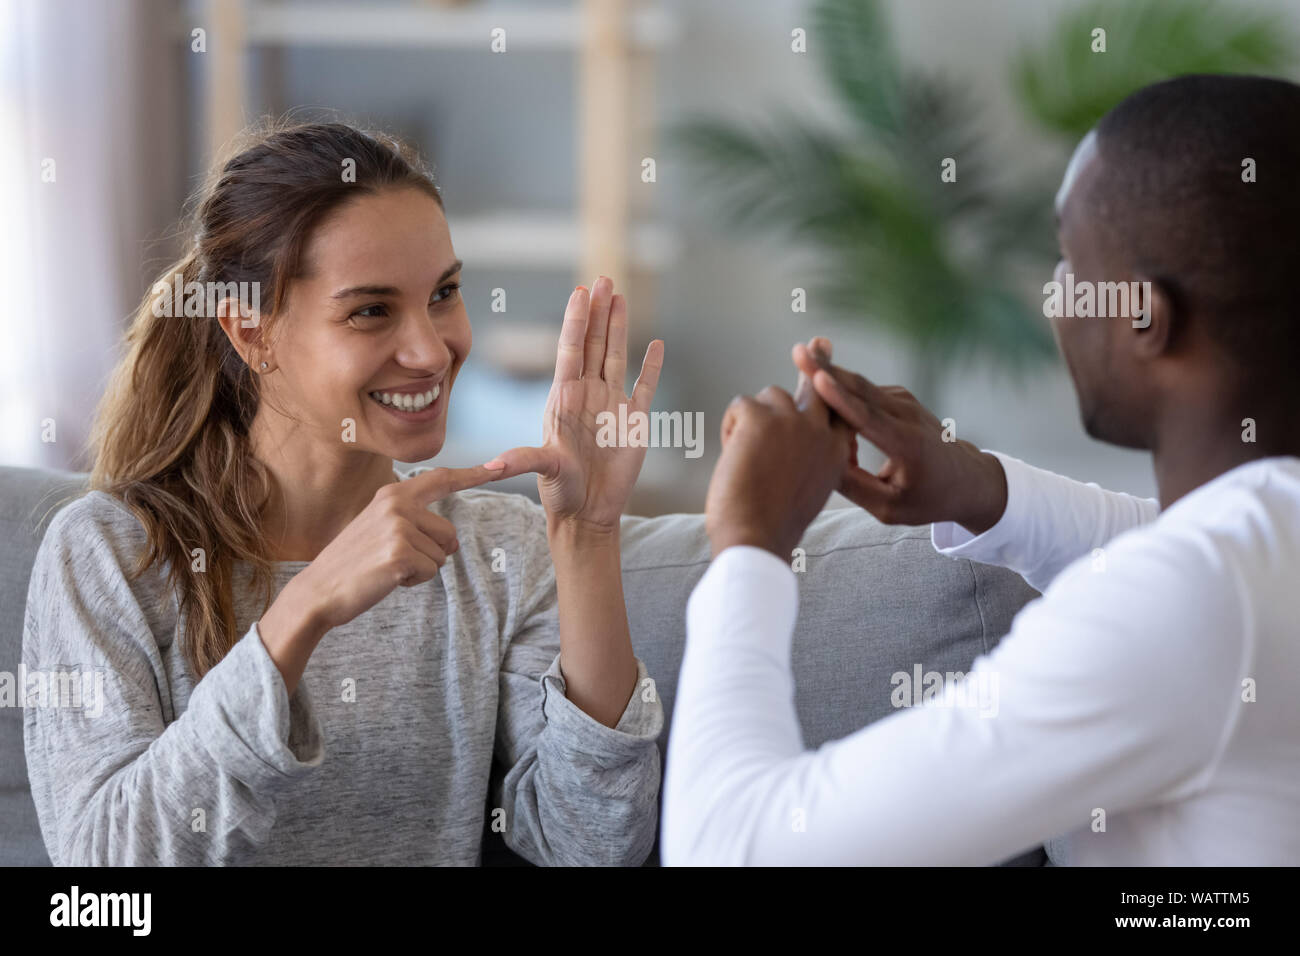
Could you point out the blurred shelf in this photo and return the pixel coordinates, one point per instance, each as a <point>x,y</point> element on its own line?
<point>423,25</point>
<point>550,241</point>
<point>615,46</point>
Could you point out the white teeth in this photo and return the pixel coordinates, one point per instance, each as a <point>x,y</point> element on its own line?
<point>407,402</point>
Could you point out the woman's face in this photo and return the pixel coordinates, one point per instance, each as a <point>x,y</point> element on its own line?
<point>377,311</point>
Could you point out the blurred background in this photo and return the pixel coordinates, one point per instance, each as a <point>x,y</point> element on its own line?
<point>750,172</point>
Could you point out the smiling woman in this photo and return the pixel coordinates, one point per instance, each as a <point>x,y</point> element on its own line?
<point>244,485</point>
<point>378,293</point>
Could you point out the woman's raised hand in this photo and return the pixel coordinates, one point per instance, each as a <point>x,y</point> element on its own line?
<point>582,476</point>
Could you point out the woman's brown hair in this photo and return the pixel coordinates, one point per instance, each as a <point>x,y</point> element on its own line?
<point>170,437</point>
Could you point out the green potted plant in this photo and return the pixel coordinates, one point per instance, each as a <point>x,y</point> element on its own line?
<point>940,262</point>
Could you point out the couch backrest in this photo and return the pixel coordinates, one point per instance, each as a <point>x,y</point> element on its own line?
<point>873,600</point>
<point>25,497</point>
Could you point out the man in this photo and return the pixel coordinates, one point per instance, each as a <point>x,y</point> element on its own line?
<point>1148,704</point>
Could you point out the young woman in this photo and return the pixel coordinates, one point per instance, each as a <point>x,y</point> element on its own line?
<point>307,656</point>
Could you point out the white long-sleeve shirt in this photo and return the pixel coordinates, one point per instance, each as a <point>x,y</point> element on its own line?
<point>1145,710</point>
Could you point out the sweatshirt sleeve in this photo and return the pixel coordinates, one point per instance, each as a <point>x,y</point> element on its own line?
<point>575,791</point>
<point>115,781</point>
<point>1050,521</point>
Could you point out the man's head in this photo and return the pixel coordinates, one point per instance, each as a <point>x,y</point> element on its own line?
<point>1188,185</point>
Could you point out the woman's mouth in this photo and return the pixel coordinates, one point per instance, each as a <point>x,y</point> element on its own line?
<point>411,407</point>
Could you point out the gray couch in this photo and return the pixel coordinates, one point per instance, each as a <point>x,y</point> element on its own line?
<point>873,600</point>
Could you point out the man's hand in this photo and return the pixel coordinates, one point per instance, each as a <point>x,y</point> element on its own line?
<point>780,461</point>
<point>924,479</point>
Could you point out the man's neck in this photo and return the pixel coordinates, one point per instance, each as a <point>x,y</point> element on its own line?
<point>1192,449</point>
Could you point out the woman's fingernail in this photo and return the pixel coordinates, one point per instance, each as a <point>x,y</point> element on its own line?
<point>580,288</point>
<point>496,464</point>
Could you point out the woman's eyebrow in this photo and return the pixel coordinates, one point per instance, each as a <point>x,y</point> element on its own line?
<point>392,290</point>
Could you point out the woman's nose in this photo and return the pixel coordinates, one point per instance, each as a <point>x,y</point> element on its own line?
<point>423,346</point>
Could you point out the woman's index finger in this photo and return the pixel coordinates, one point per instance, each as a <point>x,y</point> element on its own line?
<point>430,486</point>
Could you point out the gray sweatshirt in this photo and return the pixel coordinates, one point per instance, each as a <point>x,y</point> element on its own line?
<point>383,755</point>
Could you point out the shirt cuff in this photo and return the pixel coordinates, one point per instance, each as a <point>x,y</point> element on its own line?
<point>248,723</point>
<point>748,595</point>
<point>642,720</point>
<point>951,539</point>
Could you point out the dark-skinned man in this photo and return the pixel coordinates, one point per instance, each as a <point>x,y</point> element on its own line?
<point>1148,705</point>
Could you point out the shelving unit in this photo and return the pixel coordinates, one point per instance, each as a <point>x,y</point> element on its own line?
<point>615,43</point>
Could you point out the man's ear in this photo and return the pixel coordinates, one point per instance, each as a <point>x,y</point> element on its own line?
<point>1153,317</point>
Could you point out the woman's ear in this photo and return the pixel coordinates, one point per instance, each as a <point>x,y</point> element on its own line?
<point>243,327</point>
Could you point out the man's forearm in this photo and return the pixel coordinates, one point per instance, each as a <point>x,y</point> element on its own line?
<point>1049,521</point>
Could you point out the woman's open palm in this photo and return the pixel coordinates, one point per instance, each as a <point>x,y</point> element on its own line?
<point>585,470</point>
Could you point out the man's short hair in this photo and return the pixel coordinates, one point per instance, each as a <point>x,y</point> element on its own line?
<point>1200,189</point>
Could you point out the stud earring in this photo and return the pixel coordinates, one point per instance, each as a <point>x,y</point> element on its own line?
<point>264,366</point>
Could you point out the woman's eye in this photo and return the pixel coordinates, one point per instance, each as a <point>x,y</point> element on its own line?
<point>367,313</point>
<point>379,310</point>
<point>446,293</point>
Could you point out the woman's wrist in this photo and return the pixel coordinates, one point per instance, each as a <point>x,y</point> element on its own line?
<point>290,630</point>
<point>578,534</point>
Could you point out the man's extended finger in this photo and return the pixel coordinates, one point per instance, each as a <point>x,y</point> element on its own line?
<point>525,458</point>
<point>814,408</point>
<point>776,397</point>
<point>865,419</point>
<point>815,353</point>
<point>803,384</point>
<point>820,412</point>
<point>802,388</point>
<point>430,486</point>
<point>573,334</point>
<point>809,361</point>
